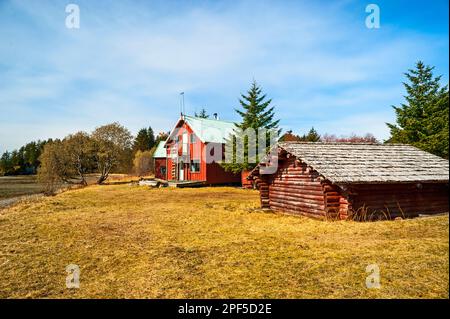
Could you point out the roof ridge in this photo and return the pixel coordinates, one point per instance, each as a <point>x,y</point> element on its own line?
<point>344,143</point>
<point>208,119</point>
<point>369,163</point>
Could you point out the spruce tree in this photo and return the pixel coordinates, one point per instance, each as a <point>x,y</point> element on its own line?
<point>6,166</point>
<point>256,113</point>
<point>202,114</point>
<point>436,141</point>
<point>142,141</point>
<point>423,120</point>
<point>151,137</point>
<point>312,136</point>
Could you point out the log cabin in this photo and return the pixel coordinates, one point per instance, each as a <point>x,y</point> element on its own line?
<point>358,181</point>
<point>194,150</point>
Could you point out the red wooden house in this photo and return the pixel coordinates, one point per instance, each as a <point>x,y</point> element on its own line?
<point>354,180</point>
<point>194,150</point>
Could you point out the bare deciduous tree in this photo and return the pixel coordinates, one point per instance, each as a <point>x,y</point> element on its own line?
<point>353,138</point>
<point>81,153</point>
<point>112,148</point>
<point>55,169</point>
<point>143,163</point>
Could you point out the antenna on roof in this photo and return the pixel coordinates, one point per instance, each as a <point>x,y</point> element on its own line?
<point>182,109</point>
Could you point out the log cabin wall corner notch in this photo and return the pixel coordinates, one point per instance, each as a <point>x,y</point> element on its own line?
<point>354,180</point>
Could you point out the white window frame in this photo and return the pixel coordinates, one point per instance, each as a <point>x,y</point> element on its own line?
<point>193,162</point>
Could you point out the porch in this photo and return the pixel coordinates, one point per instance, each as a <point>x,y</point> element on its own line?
<point>182,184</point>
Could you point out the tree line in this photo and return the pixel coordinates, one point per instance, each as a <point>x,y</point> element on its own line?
<point>109,148</point>
<point>144,146</point>
<point>314,136</point>
<point>421,121</point>
<point>24,160</point>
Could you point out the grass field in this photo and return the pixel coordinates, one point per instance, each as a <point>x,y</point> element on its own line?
<point>20,185</point>
<point>132,241</point>
<point>13,186</point>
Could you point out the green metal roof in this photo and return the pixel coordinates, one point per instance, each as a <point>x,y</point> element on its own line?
<point>210,130</point>
<point>160,151</point>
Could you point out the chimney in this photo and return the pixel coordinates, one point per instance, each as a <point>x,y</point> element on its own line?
<point>216,117</point>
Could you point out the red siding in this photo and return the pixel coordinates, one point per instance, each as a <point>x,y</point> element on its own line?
<point>196,152</point>
<point>160,168</point>
<point>211,173</point>
<point>217,175</point>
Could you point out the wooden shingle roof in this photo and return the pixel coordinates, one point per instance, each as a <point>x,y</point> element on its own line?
<point>352,163</point>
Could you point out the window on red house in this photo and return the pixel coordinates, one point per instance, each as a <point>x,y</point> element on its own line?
<point>195,166</point>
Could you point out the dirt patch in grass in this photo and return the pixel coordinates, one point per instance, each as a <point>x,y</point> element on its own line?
<point>137,242</point>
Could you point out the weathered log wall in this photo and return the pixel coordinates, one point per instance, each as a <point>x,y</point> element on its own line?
<point>336,201</point>
<point>298,189</point>
<point>262,183</point>
<point>295,188</point>
<point>404,200</point>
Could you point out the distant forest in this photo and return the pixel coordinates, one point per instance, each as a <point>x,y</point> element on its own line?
<point>25,160</point>
<point>422,121</point>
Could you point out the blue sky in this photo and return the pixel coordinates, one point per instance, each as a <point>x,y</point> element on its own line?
<point>129,60</point>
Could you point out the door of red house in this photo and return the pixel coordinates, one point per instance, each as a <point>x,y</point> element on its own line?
<point>181,171</point>
<point>184,152</point>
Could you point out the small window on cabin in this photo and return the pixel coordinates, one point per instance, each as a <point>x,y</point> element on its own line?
<point>195,166</point>
<point>193,139</point>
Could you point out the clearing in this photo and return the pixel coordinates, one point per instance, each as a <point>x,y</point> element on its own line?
<point>135,242</point>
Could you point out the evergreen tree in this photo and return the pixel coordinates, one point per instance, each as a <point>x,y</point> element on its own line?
<point>256,113</point>
<point>202,114</point>
<point>312,136</point>
<point>25,160</point>
<point>151,137</point>
<point>144,140</point>
<point>423,120</point>
<point>437,140</point>
<point>6,164</point>
<point>17,160</point>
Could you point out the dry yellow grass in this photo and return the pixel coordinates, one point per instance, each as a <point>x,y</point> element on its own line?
<point>13,186</point>
<point>132,242</point>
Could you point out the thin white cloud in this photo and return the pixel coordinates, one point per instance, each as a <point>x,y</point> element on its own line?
<point>129,63</point>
